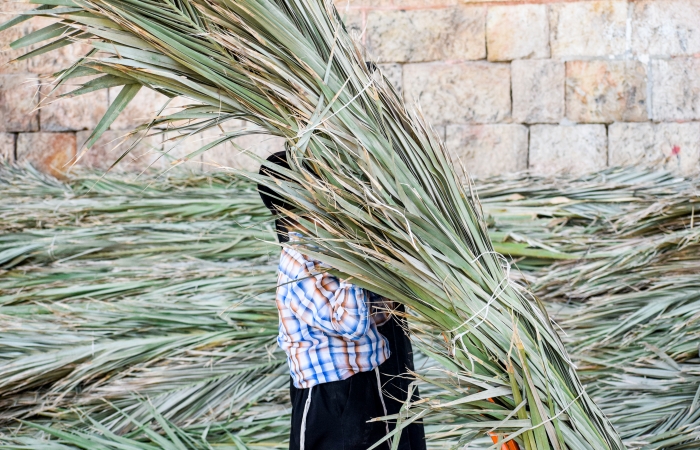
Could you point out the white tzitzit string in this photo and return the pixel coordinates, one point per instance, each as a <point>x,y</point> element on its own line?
<point>302,432</point>
<point>381,397</point>
<point>500,288</point>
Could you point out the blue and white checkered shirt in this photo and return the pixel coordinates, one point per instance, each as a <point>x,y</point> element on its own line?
<point>328,327</point>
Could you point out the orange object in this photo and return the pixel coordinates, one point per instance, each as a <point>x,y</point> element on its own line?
<point>510,445</point>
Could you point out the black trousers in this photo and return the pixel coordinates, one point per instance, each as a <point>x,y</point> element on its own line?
<point>395,381</point>
<point>338,415</point>
<point>339,411</point>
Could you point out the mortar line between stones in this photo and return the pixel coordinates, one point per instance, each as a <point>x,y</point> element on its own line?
<point>483,3</point>
<point>529,134</point>
<point>607,145</point>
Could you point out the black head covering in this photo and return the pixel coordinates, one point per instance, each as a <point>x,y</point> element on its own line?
<point>275,204</point>
<point>271,199</point>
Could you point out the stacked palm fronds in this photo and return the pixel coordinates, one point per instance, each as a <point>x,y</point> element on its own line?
<point>80,335</point>
<point>122,328</point>
<point>380,197</point>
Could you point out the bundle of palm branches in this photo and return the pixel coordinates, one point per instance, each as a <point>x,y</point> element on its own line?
<point>378,194</point>
<point>164,350</point>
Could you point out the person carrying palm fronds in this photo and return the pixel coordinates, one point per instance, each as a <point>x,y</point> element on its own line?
<point>343,346</point>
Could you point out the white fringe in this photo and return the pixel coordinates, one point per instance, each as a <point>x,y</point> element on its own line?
<point>307,405</point>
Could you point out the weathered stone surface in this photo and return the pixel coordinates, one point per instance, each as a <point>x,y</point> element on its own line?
<point>50,153</point>
<point>538,91</point>
<point>485,150</point>
<point>111,145</point>
<point>18,99</point>
<point>54,60</point>
<point>82,112</point>
<point>7,55</point>
<point>676,89</point>
<point>419,35</point>
<point>631,143</point>
<point>574,149</point>
<point>670,27</point>
<point>393,73</point>
<point>8,10</point>
<point>142,109</point>
<point>606,91</point>
<point>517,32</point>
<point>590,28</point>
<point>477,92</point>
<point>43,64</point>
<point>7,147</point>
<point>670,146</point>
<point>9,36</point>
<point>230,155</point>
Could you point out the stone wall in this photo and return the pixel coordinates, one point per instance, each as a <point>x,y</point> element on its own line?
<point>545,85</point>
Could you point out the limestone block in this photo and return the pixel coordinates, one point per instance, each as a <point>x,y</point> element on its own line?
<point>50,153</point>
<point>81,112</point>
<point>235,154</point>
<point>7,147</point>
<point>54,60</point>
<point>112,144</point>
<point>676,89</point>
<point>393,73</point>
<point>591,28</point>
<point>573,149</point>
<point>418,35</point>
<point>7,55</point>
<point>18,100</point>
<point>517,32</point>
<point>487,150</point>
<point>670,27</point>
<point>606,91</point>
<point>670,146</point>
<point>538,91</point>
<point>679,144</point>
<point>477,92</point>
<point>9,9</point>
<point>57,60</point>
<point>142,109</point>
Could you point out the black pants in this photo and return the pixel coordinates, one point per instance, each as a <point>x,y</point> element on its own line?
<point>339,411</point>
<point>395,386</point>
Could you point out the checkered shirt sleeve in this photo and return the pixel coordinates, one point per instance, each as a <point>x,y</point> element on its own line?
<point>321,300</point>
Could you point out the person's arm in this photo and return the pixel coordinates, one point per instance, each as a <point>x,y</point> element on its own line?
<point>322,300</point>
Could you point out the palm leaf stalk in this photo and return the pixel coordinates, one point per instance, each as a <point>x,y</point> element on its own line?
<point>380,198</point>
